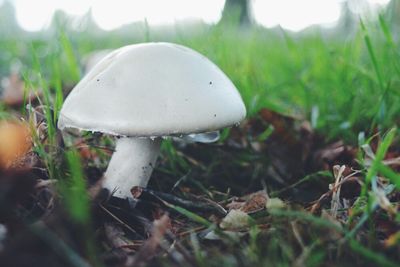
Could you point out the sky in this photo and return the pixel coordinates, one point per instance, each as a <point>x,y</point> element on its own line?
<point>295,15</point>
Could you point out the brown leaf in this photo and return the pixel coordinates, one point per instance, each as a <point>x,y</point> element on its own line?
<point>250,203</point>
<point>334,154</point>
<point>255,202</point>
<point>392,240</point>
<point>15,143</point>
<point>13,94</point>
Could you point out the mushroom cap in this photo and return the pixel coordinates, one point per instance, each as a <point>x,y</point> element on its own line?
<point>153,89</point>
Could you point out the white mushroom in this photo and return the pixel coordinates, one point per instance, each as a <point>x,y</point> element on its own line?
<point>146,91</point>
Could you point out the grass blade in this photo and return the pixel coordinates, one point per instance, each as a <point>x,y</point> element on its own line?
<point>388,173</point>
<point>380,155</point>
<point>371,255</point>
<point>372,56</point>
<point>76,199</point>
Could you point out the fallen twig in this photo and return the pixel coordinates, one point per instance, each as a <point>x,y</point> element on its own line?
<point>152,195</point>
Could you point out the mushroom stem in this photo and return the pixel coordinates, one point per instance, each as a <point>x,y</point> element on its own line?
<point>131,164</point>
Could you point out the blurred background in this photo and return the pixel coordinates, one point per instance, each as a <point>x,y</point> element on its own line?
<point>292,15</point>
<point>327,61</point>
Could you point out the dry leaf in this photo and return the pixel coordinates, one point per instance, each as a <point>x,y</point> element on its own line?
<point>13,94</point>
<point>15,142</point>
<point>392,240</point>
<point>235,219</point>
<point>255,202</point>
<point>250,203</point>
<point>212,235</point>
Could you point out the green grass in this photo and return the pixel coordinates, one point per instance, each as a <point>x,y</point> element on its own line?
<point>352,85</point>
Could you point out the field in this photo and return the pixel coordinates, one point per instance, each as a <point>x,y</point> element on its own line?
<point>311,175</point>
